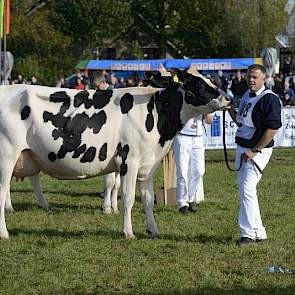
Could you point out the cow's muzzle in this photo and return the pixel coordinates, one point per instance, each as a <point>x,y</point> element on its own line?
<point>225,97</point>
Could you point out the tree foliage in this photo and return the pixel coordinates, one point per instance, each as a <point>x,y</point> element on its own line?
<point>36,45</point>
<point>228,28</point>
<point>50,36</point>
<point>92,20</point>
<point>253,25</point>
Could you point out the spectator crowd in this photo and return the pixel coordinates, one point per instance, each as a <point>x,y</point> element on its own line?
<point>234,84</point>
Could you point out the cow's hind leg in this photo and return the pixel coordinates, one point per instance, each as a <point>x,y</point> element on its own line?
<point>109,182</point>
<point>147,197</point>
<point>128,182</point>
<point>114,197</point>
<point>6,169</point>
<point>41,200</point>
<point>8,204</point>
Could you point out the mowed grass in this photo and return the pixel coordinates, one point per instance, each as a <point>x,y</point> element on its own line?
<point>75,249</point>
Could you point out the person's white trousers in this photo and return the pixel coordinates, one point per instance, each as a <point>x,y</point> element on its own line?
<point>250,222</point>
<point>189,154</point>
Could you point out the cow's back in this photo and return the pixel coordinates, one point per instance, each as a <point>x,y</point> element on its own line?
<point>73,135</point>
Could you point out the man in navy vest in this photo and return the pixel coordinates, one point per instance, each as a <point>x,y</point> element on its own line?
<point>258,119</point>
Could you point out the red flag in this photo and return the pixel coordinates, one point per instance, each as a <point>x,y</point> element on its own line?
<point>7,17</point>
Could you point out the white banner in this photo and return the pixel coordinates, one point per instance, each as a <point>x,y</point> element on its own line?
<point>213,139</point>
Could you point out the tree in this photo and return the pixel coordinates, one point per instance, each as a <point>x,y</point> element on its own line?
<point>199,28</point>
<point>89,22</point>
<point>157,18</point>
<point>37,47</point>
<point>204,29</point>
<point>50,36</point>
<point>253,25</point>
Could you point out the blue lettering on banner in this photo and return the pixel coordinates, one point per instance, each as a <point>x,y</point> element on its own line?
<point>285,136</point>
<point>215,126</point>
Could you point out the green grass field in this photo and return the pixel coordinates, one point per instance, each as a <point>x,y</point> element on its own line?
<point>75,249</point>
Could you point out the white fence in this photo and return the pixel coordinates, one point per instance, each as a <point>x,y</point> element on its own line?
<point>213,139</point>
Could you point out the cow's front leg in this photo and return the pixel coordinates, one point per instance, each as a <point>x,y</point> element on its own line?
<point>128,196</point>
<point>147,197</point>
<point>41,200</point>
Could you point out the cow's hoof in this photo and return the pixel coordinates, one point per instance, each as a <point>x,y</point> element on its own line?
<point>107,210</point>
<point>44,207</point>
<point>115,211</point>
<point>129,236</point>
<point>9,210</point>
<point>153,234</point>
<point>4,236</point>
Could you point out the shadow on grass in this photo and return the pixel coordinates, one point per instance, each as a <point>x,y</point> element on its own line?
<point>61,192</point>
<point>53,207</point>
<point>65,233</point>
<point>115,235</point>
<point>202,238</point>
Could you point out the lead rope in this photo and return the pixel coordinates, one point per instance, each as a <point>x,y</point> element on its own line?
<point>224,147</point>
<point>225,151</point>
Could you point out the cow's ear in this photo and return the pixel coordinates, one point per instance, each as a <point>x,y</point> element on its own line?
<point>193,70</point>
<point>163,71</point>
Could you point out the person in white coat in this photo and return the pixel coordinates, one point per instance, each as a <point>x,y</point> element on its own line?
<point>189,154</point>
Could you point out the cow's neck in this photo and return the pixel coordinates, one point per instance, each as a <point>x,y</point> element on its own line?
<point>188,111</point>
<point>168,105</point>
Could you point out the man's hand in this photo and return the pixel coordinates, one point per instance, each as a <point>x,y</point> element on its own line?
<point>248,155</point>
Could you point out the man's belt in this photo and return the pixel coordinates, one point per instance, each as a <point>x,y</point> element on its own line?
<point>190,135</point>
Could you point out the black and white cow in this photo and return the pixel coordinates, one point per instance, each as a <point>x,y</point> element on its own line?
<point>72,134</point>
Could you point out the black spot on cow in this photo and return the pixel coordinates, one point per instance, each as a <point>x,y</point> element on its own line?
<point>82,98</point>
<point>103,152</point>
<point>52,157</point>
<point>58,119</point>
<point>123,169</point>
<point>89,155</point>
<point>70,128</point>
<point>79,151</point>
<point>25,112</point>
<point>55,134</point>
<point>101,98</point>
<point>59,96</point>
<point>62,152</point>
<point>149,122</point>
<point>97,121</point>
<point>123,153</point>
<point>71,134</point>
<point>126,103</point>
<point>168,104</point>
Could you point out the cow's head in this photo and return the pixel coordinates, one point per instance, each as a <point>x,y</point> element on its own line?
<point>177,104</point>
<point>201,95</point>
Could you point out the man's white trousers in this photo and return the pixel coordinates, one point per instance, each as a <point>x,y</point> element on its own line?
<point>250,222</point>
<point>189,154</point>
